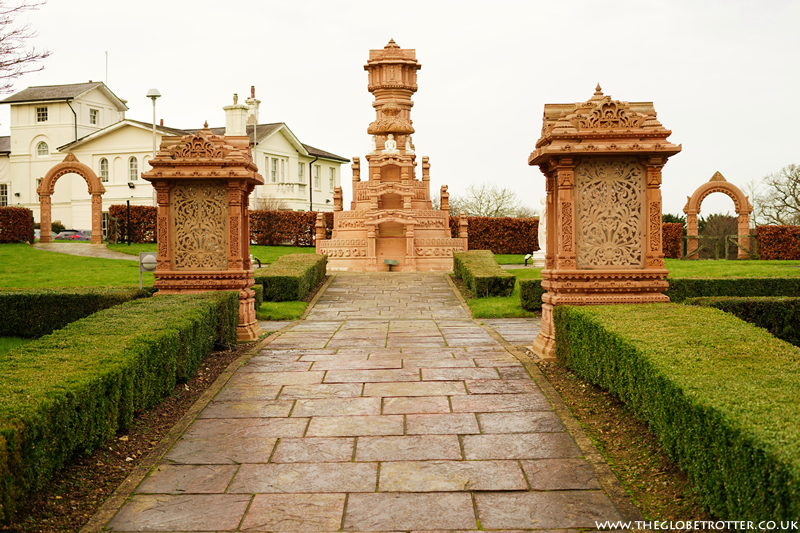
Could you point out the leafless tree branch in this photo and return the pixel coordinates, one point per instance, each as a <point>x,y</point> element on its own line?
<point>16,56</point>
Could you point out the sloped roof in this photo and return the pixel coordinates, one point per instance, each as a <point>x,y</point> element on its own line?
<point>108,129</point>
<point>322,154</point>
<point>45,93</point>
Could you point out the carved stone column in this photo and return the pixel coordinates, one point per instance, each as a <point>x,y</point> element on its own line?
<point>565,258</point>
<point>46,216</point>
<point>654,258</point>
<point>463,231</point>
<point>691,231</point>
<point>745,242</point>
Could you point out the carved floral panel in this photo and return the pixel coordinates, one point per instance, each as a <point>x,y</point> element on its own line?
<point>200,226</point>
<point>609,208</point>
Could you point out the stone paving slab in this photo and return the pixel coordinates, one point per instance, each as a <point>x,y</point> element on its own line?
<point>386,410</point>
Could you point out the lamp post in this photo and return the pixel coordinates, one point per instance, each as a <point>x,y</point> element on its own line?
<point>153,94</point>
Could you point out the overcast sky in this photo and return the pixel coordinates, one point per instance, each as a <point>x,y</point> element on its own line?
<point>723,74</point>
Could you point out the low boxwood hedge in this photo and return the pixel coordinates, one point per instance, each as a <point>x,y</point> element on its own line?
<point>31,313</point>
<point>291,276</point>
<point>721,395</point>
<point>481,273</point>
<point>682,288</point>
<point>259,297</point>
<point>69,392</point>
<point>780,315</point>
<point>530,294</point>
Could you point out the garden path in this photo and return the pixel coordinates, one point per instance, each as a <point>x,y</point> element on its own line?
<point>85,250</point>
<point>386,409</point>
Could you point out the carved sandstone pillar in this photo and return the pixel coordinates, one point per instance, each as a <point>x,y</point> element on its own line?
<point>654,256</point>
<point>97,219</point>
<point>744,229</point>
<point>565,177</point>
<point>691,231</point>
<point>46,232</point>
<point>163,237</point>
<point>463,225</point>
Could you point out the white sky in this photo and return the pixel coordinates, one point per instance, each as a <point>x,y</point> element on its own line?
<point>723,74</point>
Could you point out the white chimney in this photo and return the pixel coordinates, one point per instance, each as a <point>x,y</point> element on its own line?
<point>235,118</point>
<point>252,106</point>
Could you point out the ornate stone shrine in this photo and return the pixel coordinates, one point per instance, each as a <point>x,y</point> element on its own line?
<point>391,217</point>
<point>203,184</point>
<point>602,162</point>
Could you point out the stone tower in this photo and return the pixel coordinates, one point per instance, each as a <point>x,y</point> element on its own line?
<point>391,218</point>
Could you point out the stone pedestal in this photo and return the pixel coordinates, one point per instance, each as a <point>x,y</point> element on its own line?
<point>391,218</point>
<point>203,184</point>
<point>602,161</point>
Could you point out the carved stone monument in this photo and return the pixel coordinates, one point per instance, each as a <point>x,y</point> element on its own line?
<point>391,217</point>
<point>538,257</point>
<point>203,184</point>
<point>602,161</point>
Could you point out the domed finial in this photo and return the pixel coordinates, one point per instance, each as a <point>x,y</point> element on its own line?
<point>598,91</point>
<point>391,44</point>
<point>205,125</point>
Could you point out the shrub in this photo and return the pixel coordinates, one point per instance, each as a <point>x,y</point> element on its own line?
<point>16,224</point>
<point>259,290</point>
<point>501,235</point>
<point>671,233</point>
<point>778,242</point>
<point>72,390</point>
<point>274,228</point>
<point>779,316</point>
<point>481,274</point>
<point>143,224</point>
<point>31,313</point>
<point>530,294</point>
<point>291,276</point>
<point>720,395</point>
<point>682,288</point>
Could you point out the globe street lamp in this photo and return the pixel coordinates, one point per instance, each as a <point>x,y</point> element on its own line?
<point>153,94</point>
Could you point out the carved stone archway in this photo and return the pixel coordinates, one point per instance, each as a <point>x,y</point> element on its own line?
<point>71,165</point>
<point>742,204</point>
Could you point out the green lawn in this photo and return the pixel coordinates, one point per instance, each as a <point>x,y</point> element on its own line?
<point>281,310</point>
<point>505,306</point>
<point>9,343</point>
<point>267,254</point>
<point>737,268</point>
<point>24,267</point>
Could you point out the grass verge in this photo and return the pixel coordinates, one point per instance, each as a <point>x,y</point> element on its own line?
<point>9,343</point>
<point>499,306</point>
<point>281,310</point>
<point>266,254</point>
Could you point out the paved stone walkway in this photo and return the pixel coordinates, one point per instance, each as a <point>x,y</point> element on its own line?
<point>388,409</point>
<point>86,250</point>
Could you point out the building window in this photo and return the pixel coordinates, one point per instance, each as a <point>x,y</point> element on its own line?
<point>333,178</point>
<point>42,150</point>
<point>106,224</point>
<point>133,169</point>
<point>301,172</point>
<point>3,194</point>
<point>93,116</point>
<point>104,170</point>
<point>274,173</point>
<point>41,114</point>
<point>38,182</point>
<point>283,170</point>
<point>317,179</point>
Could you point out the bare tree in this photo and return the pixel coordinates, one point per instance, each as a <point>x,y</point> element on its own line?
<point>16,57</point>
<point>489,200</point>
<point>780,201</point>
<point>270,203</point>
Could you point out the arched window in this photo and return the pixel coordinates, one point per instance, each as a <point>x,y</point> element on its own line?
<point>42,149</point>
<point>133,169</point>
<point>104,170</point>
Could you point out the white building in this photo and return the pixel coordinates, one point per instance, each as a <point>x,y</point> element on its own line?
<point>88,120</point>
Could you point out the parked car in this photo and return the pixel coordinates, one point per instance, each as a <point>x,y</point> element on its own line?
<point>74,235</point>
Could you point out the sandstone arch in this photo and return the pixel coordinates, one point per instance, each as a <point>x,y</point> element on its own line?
<point>71,165</point>
<point>742,205</point>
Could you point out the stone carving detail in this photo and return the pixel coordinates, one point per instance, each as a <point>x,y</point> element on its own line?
<point>608,205</point>
<point>566,227</point>
<point>655,227</point>
<point>162,236</point>
<point>343,252</point>
<point>610,115</point>
<point>434,252</point>
<point>199,225</point>
<point>198,147</point>
<point>346,224</point>
<point>234,240</point>
<point>452,243</point>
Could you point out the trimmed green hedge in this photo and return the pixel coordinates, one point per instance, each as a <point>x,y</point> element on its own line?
<point>682,288</point>
<point>69,392</point>
<point>291,276</point>
<point>720,394</point>
<point>259,290</point>
<point>31,313</point>
<point>481,273</point>
<point>530,294</point>
<point>779,315</point>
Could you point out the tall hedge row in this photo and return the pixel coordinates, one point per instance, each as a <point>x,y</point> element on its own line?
<point>671,234</point>
<point>32,313</point>
<point>778,242</point>
<point>143,223</point>
<point>778,315</point>
<point>720,394</point>
<point>16,224</point>
<point>683,288</point>
<point>69,392</point>
<point>273,228</point>
<point>501,235</point>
